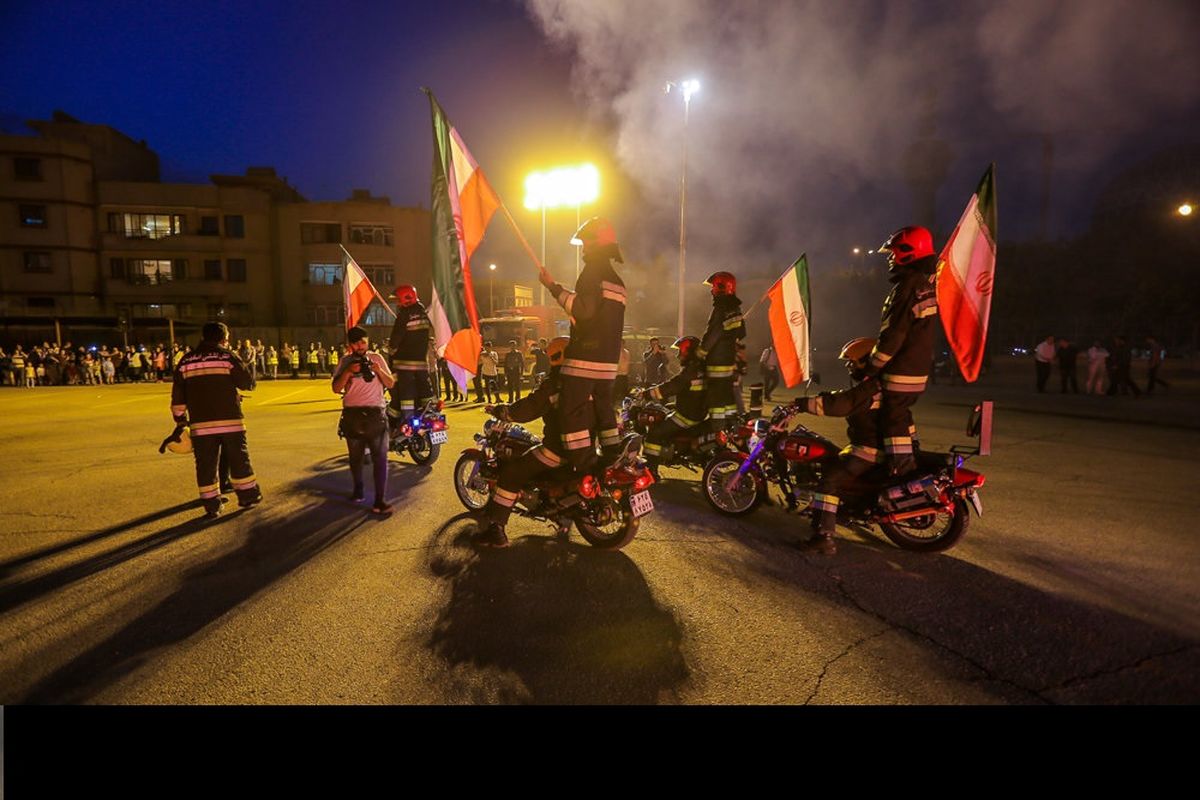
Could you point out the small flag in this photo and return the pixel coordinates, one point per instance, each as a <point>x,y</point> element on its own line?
<point>463,204</point>
<point>357,291</point>
<point>790,322</point>
<point>965,273</point>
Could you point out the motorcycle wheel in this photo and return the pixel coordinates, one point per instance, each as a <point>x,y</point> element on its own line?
<point>422,451</point>
<point>611,536</point>
<point>732,502</point>
<point>472,496</point>
<point>931,533</point>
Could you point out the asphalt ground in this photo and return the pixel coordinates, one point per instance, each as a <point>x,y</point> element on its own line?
<point>1080,584</point>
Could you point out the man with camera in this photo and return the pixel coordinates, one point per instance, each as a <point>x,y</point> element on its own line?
<point>360,377</point>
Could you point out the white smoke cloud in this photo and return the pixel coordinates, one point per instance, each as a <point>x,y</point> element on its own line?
<point>799,134</point>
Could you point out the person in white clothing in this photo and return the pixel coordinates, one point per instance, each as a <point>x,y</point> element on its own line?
<point>1097,358</point>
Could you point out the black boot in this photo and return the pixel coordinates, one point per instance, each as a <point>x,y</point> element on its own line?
<point>493,536</point>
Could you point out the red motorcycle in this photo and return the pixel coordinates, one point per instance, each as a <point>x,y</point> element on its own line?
<point>926,510</point>
<point>607,512</point>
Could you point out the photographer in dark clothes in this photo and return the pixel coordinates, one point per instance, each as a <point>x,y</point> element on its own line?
<point>360,377</point>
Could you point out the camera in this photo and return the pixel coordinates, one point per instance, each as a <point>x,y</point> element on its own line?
<point>364,371</point>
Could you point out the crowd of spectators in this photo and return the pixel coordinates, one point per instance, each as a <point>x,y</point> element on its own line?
<point>49,364</point>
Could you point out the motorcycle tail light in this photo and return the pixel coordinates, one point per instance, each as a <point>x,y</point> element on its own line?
<point>406,430</point>
<point>644,481</point>
<point>440,404</point>
<point>722,438</point>
<point>616,494</point>
<point>967,477</point>
<point>438,425</point>
<point>588,487</point>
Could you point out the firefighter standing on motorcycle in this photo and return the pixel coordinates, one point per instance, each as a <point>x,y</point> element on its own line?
<point>544,402</point>
<point>589,367</point>
<point>904,352</point>
<point>718,347</point>
<point>691,402</point>
<point>860,406</point>
<point>409,346</point>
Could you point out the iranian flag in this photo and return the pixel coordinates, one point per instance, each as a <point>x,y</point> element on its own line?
<point>791,321</point>
<point>357,290</point>
<point>965,274</point>
<point>463,204</point>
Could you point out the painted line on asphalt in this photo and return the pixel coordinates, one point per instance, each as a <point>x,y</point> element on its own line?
<point>157,397</point>
<point>282,396</point>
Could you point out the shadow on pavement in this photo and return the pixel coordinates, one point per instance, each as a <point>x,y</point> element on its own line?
<point>1027,644</point>
<point>62,547</point>
<point>547,621</point>
<point>275,545</point>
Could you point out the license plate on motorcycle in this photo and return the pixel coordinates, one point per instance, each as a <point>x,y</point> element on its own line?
<point>977,503</point>
<point>438,437</point>
<point>641,504</point>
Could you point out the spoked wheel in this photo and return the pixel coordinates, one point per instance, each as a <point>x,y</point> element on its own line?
<point>606,524</point>
<point>726,490</point>
<point>422,451</point>
<point>471,487</point>
<point>931,532</point>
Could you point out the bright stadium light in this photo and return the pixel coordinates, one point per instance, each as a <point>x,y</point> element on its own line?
<point>562,187</point>
<point>1185,210</point>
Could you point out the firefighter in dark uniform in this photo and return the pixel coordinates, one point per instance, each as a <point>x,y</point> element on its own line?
<point>409,346</point>
<point>204,396</point>
<point>718,347</point>
<point>544,402</point>
<point>597,312</point>
<point>691,403</point>
<point>904,352</point>
<point>860,406</point>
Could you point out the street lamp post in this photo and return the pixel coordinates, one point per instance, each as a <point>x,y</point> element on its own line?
<point>492,289</point>
<point>688,88</point>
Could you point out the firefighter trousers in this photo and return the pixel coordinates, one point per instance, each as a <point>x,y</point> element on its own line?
<point>411,392</point>
<point>896,422</point>
<point>660,438</point>
<point>586,404</point>
<point>208,451</point>
<point>846,470</point>
<point>516,474</point>
<point>720,398</point>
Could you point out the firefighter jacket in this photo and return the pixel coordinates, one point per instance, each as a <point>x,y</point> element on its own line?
<point>204,391</point>
<point>860,406</point>
<point>542,403</point>
<point>597,311</point>
<point>688,390</point>
<point>410,337</point>
<point>904,352</point>
<point>718,346</point>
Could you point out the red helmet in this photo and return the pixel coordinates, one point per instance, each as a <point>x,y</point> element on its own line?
<point>407,295</point>
<point>908,244</point>
<point>722,283</point>
<point>596,236</point>
<point>686,345</point>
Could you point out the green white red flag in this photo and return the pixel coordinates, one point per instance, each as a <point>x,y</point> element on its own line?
<point>791,322</point>
<point>965,273</point>
<point>463,204</point>
<point>357,291</point>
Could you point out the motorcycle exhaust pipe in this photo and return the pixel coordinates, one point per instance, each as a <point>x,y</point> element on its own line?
<point>911,514</point>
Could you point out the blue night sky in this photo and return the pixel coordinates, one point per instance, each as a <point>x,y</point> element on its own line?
<point>796,141</point>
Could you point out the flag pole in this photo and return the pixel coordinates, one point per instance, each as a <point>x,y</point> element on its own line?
<point>520,236</point>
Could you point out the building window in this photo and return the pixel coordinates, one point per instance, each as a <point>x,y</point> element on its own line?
<point>38,262</point>
<point>371,234</point>
<point>377,315</point>
<point>149,271</point>
<point>45,303</point>
<point>212,269</point>
<point>238,314</point>
<point>235,226</point>
<point>162,310</point>
<point>216,312</point>
<point>147,226</point>
<point>27,169</point>
<point>32,216</point>
<point>209,226</point>
<point>320,232</point>
<point>324,315</point>
<point>116,268</point>
<point>382,275</point>
<point>237,269</point>
<point>179,270</point>
<point>325,274</point>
